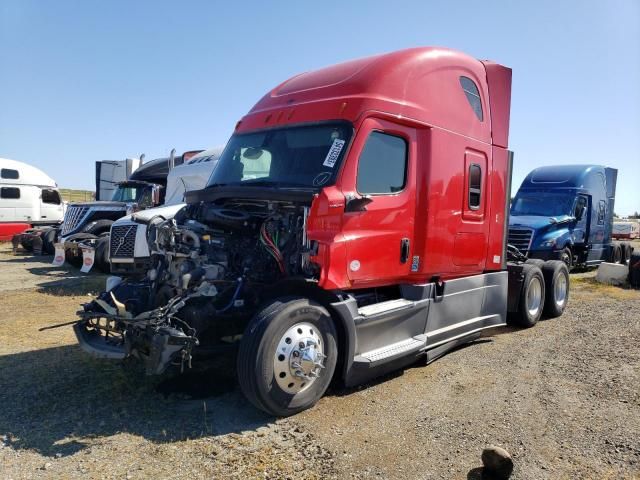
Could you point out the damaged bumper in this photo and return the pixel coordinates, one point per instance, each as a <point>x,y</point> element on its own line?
<point>158,346</point>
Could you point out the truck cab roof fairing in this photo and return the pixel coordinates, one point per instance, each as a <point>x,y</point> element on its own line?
<point>422,84</point>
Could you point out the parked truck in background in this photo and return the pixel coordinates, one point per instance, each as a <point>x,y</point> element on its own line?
<point>626,229</point>
<point>565,212</point>
<point>356,221</point>
<point>29,198</point>
<point>88,224</point>
<point>129,252</point>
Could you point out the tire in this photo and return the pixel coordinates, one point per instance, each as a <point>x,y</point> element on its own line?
<point>49,238</point>
<point>535,261</point>
<point>532,286</point>
<point>556,281</point>
<point>267,380</point>
<point>76,260</point>
<point>101,260</point>
<point>98,227</point>
<point>26,242</point>
<point>634,270</point>
<point>566,256</point>
<point>626,253</point>
<point>616,253</point>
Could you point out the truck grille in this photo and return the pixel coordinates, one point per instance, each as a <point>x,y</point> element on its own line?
<point>123,241</point>
<point>73,218</point>
<point>520,238</point>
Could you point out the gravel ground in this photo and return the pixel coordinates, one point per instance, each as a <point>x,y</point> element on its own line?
<point>563,398</point>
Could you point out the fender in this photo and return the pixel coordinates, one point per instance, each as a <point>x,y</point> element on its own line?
<point>343,309</point>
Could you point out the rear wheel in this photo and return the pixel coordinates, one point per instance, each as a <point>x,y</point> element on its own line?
<point>75,259</point>
<point>532,296</point>
<point>535,261</point>
<point>48,241</point>
<point>26,241</point>
<point>634,270</point>
<point>626,253</point>
<point>287,356</point>
<point>616,253</point>
<point>556,280</point>
<point>102,254</point>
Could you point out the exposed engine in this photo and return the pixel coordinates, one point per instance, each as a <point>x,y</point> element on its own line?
<point>209,267</point>
<point>257,241</point>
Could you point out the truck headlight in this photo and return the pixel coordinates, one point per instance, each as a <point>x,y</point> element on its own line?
<point>549,243</point>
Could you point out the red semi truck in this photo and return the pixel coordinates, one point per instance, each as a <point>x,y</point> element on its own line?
<point>357,220</point>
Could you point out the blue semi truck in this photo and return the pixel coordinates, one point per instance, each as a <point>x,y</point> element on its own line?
<point>565,212</point>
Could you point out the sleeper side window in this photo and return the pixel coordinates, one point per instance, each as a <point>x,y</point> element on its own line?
<point>473,96</point>
<point>12,193</point>
<point>602,210</point>
<point>9,174</point>
<point>382,167</point>
<point>475,186</point>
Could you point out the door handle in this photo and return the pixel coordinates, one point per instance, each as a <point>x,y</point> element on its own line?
<point>404,250</point>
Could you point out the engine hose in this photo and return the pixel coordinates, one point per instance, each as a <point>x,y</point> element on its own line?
<point>233,299</point>
<point>193,236</point>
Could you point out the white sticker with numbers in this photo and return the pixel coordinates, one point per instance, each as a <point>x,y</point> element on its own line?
<point>334,153</point>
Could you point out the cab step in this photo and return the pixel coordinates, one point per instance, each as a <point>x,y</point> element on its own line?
<point>394,350</point>
<point>384,307</point>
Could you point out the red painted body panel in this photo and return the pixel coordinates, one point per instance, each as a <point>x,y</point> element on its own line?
<point>415,94</point>
<point>8,230</point>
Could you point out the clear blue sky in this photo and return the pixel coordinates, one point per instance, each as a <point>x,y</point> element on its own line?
<point>85,80</point>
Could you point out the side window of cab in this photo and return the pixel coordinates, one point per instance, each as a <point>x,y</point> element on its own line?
<point>382,166</point>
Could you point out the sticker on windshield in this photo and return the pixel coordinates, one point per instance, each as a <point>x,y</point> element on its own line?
<point>334,153</point>
<point>321,179</point>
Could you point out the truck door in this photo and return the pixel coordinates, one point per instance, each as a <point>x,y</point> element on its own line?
<point>379,185</point>
<point>581,212</point>
<point>50,206</point>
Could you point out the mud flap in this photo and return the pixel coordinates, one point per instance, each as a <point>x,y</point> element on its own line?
<point>88,258</point>
<point>58,256</point>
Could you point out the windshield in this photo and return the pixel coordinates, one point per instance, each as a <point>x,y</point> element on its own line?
<point>543,204</point>
<point>307,156</point>
<point>140,194</point>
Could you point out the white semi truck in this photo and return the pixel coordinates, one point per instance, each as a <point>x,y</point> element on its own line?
<point>28,198</point>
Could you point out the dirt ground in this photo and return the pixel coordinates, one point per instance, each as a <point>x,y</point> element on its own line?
<point>563,398</point>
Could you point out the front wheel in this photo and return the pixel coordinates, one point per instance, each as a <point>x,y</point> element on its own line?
<point>287,356</point>
<point>567,257</point>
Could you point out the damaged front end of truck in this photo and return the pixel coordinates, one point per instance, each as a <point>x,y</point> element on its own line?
<point>158,338</point>
<point>238,243</point>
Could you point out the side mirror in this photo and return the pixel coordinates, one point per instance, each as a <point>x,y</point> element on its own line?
<point>155,195</point>
<point>357,204</point>
<point>581,205</point>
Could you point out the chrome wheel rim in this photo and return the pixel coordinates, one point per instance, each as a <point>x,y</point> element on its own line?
<point>299,358</point>
<point>534,296</point>
<point>560,290</point>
